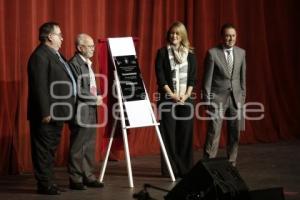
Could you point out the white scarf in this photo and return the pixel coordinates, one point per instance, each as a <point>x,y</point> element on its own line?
<point>179,68</point>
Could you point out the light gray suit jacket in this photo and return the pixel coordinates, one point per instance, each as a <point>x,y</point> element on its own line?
<point>218,83</point>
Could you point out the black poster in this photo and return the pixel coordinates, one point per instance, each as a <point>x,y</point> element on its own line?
<point>130,78</point>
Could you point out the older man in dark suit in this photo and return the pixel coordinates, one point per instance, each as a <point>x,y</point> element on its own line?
<point>83,127</point>
<point>224,88</point>
<point>52,89</point>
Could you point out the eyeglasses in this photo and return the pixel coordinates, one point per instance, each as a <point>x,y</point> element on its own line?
<point>58,34</point>
<point>89,46</point>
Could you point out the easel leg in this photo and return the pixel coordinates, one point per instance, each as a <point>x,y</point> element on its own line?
<point>124,131</point>
<point>108,152</point>
<point>164,152</point>
<point>127,155</point>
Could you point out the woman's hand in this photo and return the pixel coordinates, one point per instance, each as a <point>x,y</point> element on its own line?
<point>174,97</point>
<point>183,98</point>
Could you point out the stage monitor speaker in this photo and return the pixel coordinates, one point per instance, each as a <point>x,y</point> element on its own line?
<point>211,179</point>
<point>266,194</point>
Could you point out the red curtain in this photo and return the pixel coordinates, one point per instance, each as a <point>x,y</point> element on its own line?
<point>268,30</point>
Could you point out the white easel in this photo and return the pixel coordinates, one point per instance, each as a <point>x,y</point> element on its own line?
<point>140,113</point>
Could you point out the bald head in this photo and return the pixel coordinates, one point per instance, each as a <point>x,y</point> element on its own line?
<point>85,45</point>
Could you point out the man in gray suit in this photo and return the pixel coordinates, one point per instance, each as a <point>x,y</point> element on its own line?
<point>83,131</point>
<point>224,89</point>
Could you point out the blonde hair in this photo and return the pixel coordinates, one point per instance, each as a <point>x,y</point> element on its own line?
<point>180,28</point>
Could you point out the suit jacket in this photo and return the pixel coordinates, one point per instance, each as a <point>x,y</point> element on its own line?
<point>86,102</point>
<point>163,71</point>
<point>217,82</point>
<point>44,69</point>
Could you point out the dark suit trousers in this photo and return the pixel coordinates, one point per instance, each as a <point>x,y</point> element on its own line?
<point>177,135</point>
<point>44,141</point>
<point>214,131</point>
<point>82,151</point>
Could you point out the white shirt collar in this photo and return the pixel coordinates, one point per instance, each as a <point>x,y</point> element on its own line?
<point>86,60</point>
<point>227,49</point>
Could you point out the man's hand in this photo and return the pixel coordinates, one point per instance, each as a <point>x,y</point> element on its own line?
<point>46,120</point>
<point>99,100</point>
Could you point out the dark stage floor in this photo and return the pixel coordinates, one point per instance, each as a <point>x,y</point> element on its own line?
<point>260,165</point>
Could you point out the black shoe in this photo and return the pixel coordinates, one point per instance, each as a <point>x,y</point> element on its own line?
<point>77,186</point>
<point>59,188</point>
<point>51,190</point>
<point>94,184</point>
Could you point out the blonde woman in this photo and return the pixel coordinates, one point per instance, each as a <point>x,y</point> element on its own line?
<point>176,73</point>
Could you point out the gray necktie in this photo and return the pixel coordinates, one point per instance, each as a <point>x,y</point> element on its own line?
<point>69,73</point>
<point>229,61</point>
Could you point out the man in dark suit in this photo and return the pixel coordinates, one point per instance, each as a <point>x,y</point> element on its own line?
<point>52,89</point>
<point>83,127</point>
<point>224,88</point>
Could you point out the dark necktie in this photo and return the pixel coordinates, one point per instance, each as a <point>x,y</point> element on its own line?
<point>69,73</point>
